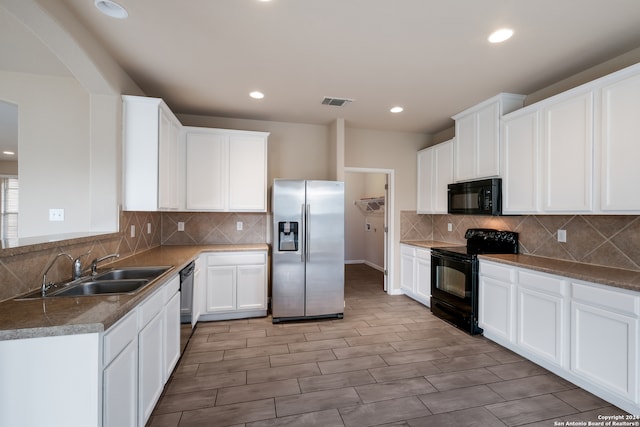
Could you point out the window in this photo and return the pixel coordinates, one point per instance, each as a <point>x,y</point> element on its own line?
<point>8,207</point>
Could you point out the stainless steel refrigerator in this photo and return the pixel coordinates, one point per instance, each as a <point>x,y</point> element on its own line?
<point>308,249</point>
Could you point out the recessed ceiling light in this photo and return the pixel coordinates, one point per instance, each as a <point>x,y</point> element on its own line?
<point>397,110</point>
<point>9,153</point>
<point>500,35</point>
<point>111,8</point>
<point>256,95</point>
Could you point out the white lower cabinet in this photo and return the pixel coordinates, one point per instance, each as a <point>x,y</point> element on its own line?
<point>584,332</point>
<point>496,302</point>
<point>151,367</point>
<point>415,273</point>
<point>120,383</point>
<point>235,285</point>
<point>140,351</point>
<point>542,309</point>
<point>604,332</point>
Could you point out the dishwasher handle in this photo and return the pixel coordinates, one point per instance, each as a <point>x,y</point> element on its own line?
<point>187,271</point>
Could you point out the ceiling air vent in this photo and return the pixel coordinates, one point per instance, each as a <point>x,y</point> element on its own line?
<point>338,102</point>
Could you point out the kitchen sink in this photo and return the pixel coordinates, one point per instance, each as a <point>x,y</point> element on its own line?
<point>127,273</point>
<point>101,287</point>
<point>124,280</point>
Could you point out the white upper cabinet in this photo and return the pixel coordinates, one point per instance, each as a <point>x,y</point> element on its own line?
<point>150,155</point>
<point>618,143</point>
<point>435,172</point>
<point>575,152</point>
<point>520,155</point>
<point>476,148</point>
<point>567,150</point>
<point>226,170</point>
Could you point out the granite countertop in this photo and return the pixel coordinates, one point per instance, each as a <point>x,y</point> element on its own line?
<point>428,244</point>
<point>41,317</point>
<point>616,277</point>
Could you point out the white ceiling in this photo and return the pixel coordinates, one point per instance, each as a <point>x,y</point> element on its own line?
<point>431,57</point>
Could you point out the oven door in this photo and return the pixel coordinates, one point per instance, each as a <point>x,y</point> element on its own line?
<point>452,277</point>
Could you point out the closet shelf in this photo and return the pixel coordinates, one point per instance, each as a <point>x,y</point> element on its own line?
<point>371,205</point>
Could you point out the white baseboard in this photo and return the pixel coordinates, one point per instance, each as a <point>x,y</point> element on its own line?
<point>364,261</point>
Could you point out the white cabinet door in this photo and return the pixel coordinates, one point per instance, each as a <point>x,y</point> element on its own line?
<point>496,311</point>
<point>206,171</point>
<point>172,335</point>
<point>465,148</point>
<point>407,269</point>
<point>520,163</point>
<point>425,181</point>
<point>435,173</point>
<point>604,338</point>
<point>543,317</point>
<point>199,292</point>
<point>150,136</point>
<point>568,154</point>
<point>167,161</point>
<point>423,276</point>
<point>247,173</point>
<point>619,148</point>
<point>477,143</point>
<point>251,293</point>
<point>221,288</point>
<point>150,367</point>
<point>488,143</point>
<point>120,389</point>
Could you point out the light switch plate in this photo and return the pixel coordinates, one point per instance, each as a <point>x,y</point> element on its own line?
<point>239,225</point>
<point>180,226</point>
<point>133,230</point>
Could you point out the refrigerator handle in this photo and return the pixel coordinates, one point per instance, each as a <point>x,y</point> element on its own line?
<point>304,233</point>
<point>307,242</point>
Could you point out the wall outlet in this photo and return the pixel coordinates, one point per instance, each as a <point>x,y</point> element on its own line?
<point>180,226</point>
<point>133,230</point>
<point>56,214</point>
<point>148,228</point>
<point>239,225</point>
<point>562,236</point>
<point>449,227</point>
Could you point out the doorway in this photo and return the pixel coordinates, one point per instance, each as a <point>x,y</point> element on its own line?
<point>368,210</point>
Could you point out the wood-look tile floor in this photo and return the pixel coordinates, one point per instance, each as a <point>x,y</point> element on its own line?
<point>388,362</point>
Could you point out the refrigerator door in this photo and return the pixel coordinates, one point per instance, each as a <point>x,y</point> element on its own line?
<point>288,282</point>
<point>325,248</point>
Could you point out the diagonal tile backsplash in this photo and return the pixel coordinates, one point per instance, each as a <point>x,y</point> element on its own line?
<point>609,240</point>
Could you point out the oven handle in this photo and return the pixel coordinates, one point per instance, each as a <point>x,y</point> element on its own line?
<point>440,255</point>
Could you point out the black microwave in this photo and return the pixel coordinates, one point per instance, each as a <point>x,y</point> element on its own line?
<point>482,197</point>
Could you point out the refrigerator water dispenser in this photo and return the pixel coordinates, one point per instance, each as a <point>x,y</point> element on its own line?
<point>288,236</point>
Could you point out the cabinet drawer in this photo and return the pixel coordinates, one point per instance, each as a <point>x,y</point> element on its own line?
<point>171,288</point>
<point>237,258</point>
<point>542,282</point>
<point>119,335</point>
<point>423,254</point>
<point>407,250</point>
<point>619,301</point>
<point>150,308</point>
<point>506,274</point>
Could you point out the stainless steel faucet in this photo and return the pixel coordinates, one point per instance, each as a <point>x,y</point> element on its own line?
<point>77,267</point>
<point>94,263</point>
<point>47,285</point>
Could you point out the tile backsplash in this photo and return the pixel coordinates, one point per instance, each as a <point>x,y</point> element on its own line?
<point>609,240</point>
<point>21,270</point>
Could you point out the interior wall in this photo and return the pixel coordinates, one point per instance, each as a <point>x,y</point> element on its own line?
<point>51,133</point>
<point>295,151</point>
<point>365,148</point>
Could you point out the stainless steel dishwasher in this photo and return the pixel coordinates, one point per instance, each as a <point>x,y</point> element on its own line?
<point>186,293</point>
